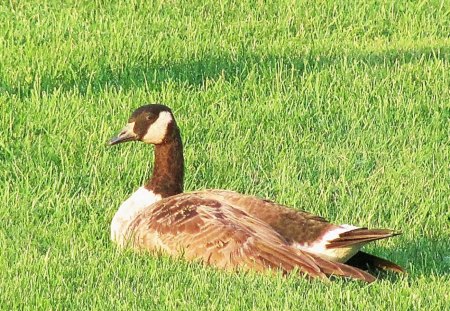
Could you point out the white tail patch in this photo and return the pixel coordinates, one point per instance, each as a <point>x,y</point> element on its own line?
<point>318,247</point>
<point>157,131</point>
<point>128,210</point>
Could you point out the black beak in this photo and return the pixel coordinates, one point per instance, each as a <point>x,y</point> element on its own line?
<point>127,134</point>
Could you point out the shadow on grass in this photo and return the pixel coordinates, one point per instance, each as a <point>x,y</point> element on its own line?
<point>419,257</point>
<point>195,72</point>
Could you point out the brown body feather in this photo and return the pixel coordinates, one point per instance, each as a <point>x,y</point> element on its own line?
<point>220,235</point>
<point>303,227</point>
<point>294,225</point>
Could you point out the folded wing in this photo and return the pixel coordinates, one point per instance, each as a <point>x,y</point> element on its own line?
<point>307,230</point>
<point>218,234</point>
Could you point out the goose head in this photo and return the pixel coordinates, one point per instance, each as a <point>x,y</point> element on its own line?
<point>151,124</point>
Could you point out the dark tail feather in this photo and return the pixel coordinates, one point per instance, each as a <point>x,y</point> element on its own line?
<point>340,269</point>
<point>366,261</point>
<point>360,235</point>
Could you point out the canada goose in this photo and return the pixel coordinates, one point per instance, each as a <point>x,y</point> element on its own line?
<point>224,228</point>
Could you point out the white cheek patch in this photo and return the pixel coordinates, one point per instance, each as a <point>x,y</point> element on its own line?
<point>157,131</point>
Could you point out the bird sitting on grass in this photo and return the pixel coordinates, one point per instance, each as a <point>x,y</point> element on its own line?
<point>226,229</point>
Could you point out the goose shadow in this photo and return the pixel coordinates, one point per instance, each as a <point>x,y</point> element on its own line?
<point>418,257</point>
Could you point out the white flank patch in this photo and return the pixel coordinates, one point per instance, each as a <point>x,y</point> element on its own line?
<point>128,210</point>
<point>318,247</point>
<point>157,131</point>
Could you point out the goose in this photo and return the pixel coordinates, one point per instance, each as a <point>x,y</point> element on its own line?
<point>227,229</point>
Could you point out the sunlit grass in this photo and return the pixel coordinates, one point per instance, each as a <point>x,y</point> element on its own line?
<point>338,108</point>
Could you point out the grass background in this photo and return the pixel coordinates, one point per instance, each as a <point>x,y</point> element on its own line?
<point>340,108</point>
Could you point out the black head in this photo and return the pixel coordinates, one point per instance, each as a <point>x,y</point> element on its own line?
<point>151,124</point>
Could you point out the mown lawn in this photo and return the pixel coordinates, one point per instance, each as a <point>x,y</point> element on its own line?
<point>340,108</point>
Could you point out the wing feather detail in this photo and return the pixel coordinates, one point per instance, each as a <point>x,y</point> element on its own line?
<point>216,233</point>
<point>292,224</point>
<point>360,235</point>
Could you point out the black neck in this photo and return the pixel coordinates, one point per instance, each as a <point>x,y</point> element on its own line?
<point>168,170</point>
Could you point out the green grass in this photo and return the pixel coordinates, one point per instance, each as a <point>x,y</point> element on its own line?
<point>340,108</point>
